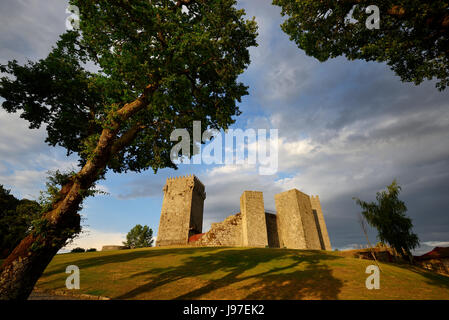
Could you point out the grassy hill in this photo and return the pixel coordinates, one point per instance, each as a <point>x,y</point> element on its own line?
<point>237,273</point>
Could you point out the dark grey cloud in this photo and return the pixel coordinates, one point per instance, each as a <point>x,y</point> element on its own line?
<point>29,28</point>
<point>361,127</point>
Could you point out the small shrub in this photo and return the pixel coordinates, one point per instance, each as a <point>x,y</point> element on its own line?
<point>91,250</point>
<point>77,250</point>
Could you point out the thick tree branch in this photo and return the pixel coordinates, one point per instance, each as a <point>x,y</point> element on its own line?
<point>127,138</point>
<point>130,109</point>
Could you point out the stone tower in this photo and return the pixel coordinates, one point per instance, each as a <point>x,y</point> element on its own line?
<point>297,226</point>
<point>254,226</point>
<point>182,211</point>
<point>318,213</point>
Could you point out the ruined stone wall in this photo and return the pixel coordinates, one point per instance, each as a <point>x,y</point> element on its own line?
<point>272,230</point>
<point>182,211</point>
<point>254,226</point>
<point>322,229</point>
<point>114,247</point>
<point>225,233</point>
<point>296,223</point>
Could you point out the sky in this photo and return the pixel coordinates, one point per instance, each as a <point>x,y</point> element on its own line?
<point>346,129</point>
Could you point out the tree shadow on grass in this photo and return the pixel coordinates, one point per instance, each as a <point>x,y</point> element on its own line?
<point>274,274</point>
<point>432,278</point>
<point>98,259</point>
<point>315,282</point>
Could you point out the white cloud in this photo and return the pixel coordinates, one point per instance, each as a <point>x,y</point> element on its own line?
<point>17,140</point>
<point>25,159</point>
<point>436,243</point>
<point>351,246</point>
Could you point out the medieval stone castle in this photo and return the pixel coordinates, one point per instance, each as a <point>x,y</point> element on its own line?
<point>298,222</point>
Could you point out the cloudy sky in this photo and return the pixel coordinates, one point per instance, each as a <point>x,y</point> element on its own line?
<point>346,129</point>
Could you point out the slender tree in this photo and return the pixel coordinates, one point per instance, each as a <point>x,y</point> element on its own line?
<point>413,35</point>
<point>159,65</point>
<point>389,218</point>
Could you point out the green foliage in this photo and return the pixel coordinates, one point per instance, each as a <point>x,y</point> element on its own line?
<point>40,226</point>
<point>389,218</point>
<point>139,237</point>
<point>78,250</point>
<point>91,250</point>
<point>51,194</point>
<point>56,180</point>
<point>413,38</point>
<point>193,59</point>
<point>16,218</point>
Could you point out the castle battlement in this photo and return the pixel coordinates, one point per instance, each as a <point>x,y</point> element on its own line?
<point>187,179</point>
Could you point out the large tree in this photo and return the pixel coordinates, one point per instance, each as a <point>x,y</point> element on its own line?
<point>139,237</point>
<point>159,64</point>
<point>389,217</point>
<point>413,36</point>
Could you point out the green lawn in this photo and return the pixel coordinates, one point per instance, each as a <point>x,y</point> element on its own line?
<point>237,273</point>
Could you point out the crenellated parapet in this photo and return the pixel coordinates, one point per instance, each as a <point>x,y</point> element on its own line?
<point>189,181</point>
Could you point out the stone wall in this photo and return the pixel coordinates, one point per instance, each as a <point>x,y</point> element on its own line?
<point>319,217</point>
<point>225,233</point>
<point>113,248</point>
<point>182,211</point>
<point>254,226</point>
<point>230,233</point>
<point>272,230</point>
<point>296,222</point>
<point>196,217</point>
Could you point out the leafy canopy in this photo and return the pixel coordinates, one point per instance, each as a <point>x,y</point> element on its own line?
<point>413,38</point>
<point>139,237</point>
<point>16,217</point>
<point>389,218</point>
<point>191,58</point>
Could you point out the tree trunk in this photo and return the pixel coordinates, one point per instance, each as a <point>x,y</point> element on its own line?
<point>23,267</point>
